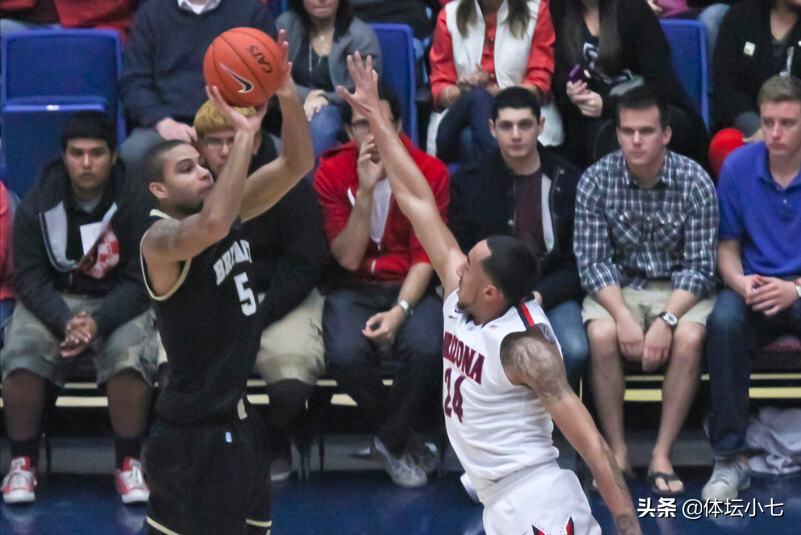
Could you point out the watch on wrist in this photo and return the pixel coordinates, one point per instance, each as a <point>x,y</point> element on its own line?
<point>669,318</point>
<point>405,306</point>
<point>798,288</point>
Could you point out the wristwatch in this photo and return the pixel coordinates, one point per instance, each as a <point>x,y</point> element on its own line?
<point>405,306</point>
<point>798,288</point>
<point>669,318</point>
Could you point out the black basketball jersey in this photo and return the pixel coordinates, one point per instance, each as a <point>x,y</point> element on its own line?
<point>208,329</point>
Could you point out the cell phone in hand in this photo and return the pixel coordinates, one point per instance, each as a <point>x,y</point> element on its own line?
<point>579,74</point>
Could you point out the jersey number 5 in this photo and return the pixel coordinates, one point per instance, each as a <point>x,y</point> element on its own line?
<point>453,405</point>
<point>245,294</point>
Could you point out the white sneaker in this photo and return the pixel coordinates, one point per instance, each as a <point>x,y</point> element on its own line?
<point>18,485</point>
<point>423,455</point>
<point>401,469</point>
<point>727,479</point>
<point>131,482</point>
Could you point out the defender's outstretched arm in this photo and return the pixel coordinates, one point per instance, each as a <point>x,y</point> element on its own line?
<point>409,187</point>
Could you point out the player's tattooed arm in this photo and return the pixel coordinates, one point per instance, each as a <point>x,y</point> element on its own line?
<point>171,241</point>
<point>530,359</point>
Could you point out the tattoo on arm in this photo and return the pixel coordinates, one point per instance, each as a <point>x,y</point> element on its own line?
<point>627,525</point>
<point>537,362</point>
<point>162,234</point>
<point>618,473</point>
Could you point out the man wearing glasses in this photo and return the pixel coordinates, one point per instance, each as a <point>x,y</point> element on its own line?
<point>288,253</point>
<point>381,302</point>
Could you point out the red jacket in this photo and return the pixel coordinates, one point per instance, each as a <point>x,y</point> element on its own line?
<point>6,268</point>
<point>103,14</point>
<point>399,249</point>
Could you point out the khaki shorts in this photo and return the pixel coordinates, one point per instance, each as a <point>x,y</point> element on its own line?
<point>292,347</point>
<point>30,345</point>
<point>646,304</point>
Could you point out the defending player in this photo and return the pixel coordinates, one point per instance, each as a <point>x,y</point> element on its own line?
<point>504,380</point>
<point>207,460</point>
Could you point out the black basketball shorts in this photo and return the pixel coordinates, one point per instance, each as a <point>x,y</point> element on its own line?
<point>209,478</point>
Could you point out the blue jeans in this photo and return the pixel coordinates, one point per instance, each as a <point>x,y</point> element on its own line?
<point>324,129</point>
<point>471,112</point>
<point>733,330</point>
<point>6,309</point>
<point>566,321</point>
<point>355,362</point>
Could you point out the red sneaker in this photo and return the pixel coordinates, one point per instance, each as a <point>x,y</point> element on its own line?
<point>18,485</point>
<point>131,483</point>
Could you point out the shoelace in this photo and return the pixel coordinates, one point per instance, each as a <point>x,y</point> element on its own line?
<point>18,478</point>
<point>133,478</point>
<point>729,475</point>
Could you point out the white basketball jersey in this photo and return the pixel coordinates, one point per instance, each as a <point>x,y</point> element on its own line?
<point>496,428</point>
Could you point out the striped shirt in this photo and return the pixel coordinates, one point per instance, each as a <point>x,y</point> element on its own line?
<point>626,235</point>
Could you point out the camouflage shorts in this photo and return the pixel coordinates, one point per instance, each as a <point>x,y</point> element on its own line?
<point>30,345</point>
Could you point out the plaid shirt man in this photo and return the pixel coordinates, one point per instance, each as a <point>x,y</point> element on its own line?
<point>626,235</point>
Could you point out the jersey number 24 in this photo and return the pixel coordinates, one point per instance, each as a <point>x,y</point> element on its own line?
<point>453,405</point>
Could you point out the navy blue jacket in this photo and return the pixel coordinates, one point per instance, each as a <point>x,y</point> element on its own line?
<point>482,204</point>
<point>162,74</point>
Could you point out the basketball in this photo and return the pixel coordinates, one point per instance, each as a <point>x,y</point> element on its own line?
<point>245,64</point>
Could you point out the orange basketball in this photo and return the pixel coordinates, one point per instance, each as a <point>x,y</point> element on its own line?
<point>245,64</point>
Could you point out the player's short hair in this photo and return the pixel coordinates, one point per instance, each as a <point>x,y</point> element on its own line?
<point>516,98</point>
<point>89,124</point>
<point>151,166</point>
<point>642,98</point>
<point>779,88</point>
<point>512,267</point>
<point>385,92</point>
<point>209,119</point>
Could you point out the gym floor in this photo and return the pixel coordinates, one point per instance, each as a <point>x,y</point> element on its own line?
<point>353,496</point>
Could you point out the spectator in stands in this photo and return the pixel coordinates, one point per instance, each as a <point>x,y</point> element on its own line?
<point>645,240</point>
<point>7,205</point>
<point>321,34</point>
<point>529,192</point>
<point>383,300</point>
<point>757,39</point>
<point>162,77</point>
<point>288,252</point>
<point>604,48</point>
<point>760,262</point>
<point>21,15</point>
<point>480,47</point>
<point>79,284</point>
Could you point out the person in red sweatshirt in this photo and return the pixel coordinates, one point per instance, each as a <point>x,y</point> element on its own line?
<point>381,299</point>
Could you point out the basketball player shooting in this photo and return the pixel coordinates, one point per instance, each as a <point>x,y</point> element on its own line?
<point>207,460</point>
<point>504,382</point>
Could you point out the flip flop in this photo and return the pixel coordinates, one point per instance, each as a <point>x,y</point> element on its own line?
<point>667,478</point>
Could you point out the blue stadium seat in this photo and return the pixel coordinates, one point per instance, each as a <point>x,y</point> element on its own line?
<point>46,75</point>
<point>687,40</point>
<point>397,58</point>
<point>277,6</point>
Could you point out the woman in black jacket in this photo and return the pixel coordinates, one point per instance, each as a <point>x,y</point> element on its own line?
<point>616,44</point>
<point>757,39</point>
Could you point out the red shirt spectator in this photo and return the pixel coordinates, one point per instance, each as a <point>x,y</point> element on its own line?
<point>539,67</point>
<point>337,181</point>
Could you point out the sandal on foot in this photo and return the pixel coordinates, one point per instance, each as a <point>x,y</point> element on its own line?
<point>667,478</point>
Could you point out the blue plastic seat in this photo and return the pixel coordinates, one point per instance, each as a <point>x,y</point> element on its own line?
<point>46,75</point>
<point>397,58</point>
<point>687,39</point>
